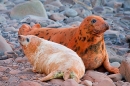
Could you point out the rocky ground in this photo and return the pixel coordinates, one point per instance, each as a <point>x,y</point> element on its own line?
<point>15,70</point>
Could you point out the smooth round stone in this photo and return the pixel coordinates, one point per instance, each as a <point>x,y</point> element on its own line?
<point>1,53</point>
<point>127,12</point>
<point>2,19</point>
<point>115,64</point>
<point>71,13</point>
<point>108,9</point>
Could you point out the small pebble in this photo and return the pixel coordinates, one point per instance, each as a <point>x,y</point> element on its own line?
<point>71,13</point>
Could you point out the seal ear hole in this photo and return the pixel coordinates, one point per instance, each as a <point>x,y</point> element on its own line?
<point>27,39</point>
<point>93,21</point>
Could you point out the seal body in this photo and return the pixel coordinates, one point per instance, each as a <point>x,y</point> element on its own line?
<point>87,40</point>
<point>51,58</point>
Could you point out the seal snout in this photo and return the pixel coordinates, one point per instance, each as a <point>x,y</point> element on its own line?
<point>106,26</point>
<point>19,37</point>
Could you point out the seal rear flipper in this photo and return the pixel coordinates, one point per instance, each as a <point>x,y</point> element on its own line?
<point>24,29</point>
<point>36,26</point>
<point>48,77</point>
<point>70,75</point>
<point>52,75</point>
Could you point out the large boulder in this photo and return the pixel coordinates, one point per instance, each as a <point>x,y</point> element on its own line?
<point>28,8</point>
<point>98,78</point>
<point>125,68</point>
<point>4,46</point>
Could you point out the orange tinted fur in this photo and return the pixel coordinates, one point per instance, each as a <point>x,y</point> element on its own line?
<point>52,59</point>
<point>87,40</point>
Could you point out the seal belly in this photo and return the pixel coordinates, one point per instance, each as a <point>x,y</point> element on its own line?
<point>93,61</point>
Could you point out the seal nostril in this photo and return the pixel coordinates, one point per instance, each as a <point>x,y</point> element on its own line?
<point>107,26</point>
<point>19,37</point>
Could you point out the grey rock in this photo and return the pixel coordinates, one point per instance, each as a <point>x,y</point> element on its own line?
<point>98,10</point>
<point>2,7</point>
<point>115,64</point>
<point>124,21</point>
<point>10,29</point>
<point>73,19</point>
<point>113,57</point>
<point>125,67</point>
<point>118,6</point>
<point>2,19</point>
<point>18,1</point>
<point>9,4</point>
<point>116,77</point>
<point>4,46</point>
<point>108,9</point>
<point>50,7</point>
<point>36,19</point>
<point>56,25</point>
<point>1,1</point>
<point>28,8</point>
<point>67,1</point>
<point>57,3</point>
<point>127,13</point>
<point>127,4</point>
<point>96,3</point>
<point>83,3</point>
<point>83,13</point>
<point>113,35</point>
<point>71,13</point>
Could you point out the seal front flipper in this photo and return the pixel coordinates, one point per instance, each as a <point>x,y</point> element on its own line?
<point>48,77</point>
<point>109,67</point>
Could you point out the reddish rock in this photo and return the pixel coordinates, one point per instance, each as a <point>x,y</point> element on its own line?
<point>29,83</point>
<point>98,78</point>
<point>70,82</point>
<point>4,78</point>
<point>23,77</point>
<point>2,68</point>
<point>8,61</point>
<point>57,81</point>
<point>103,83</point>
<point>87,83</point>
<point>125,68</point>
<point>57,16</point>
<point>14,72</point>
<point>21,60</point>
<point>116,77</point>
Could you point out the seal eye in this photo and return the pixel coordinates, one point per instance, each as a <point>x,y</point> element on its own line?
<point>93,21</point>
<point>27,39</point>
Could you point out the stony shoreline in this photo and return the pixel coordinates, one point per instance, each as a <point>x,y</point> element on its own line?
<point>15,70</point>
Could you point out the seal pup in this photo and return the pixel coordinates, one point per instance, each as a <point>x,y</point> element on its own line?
<point>53,59</point>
